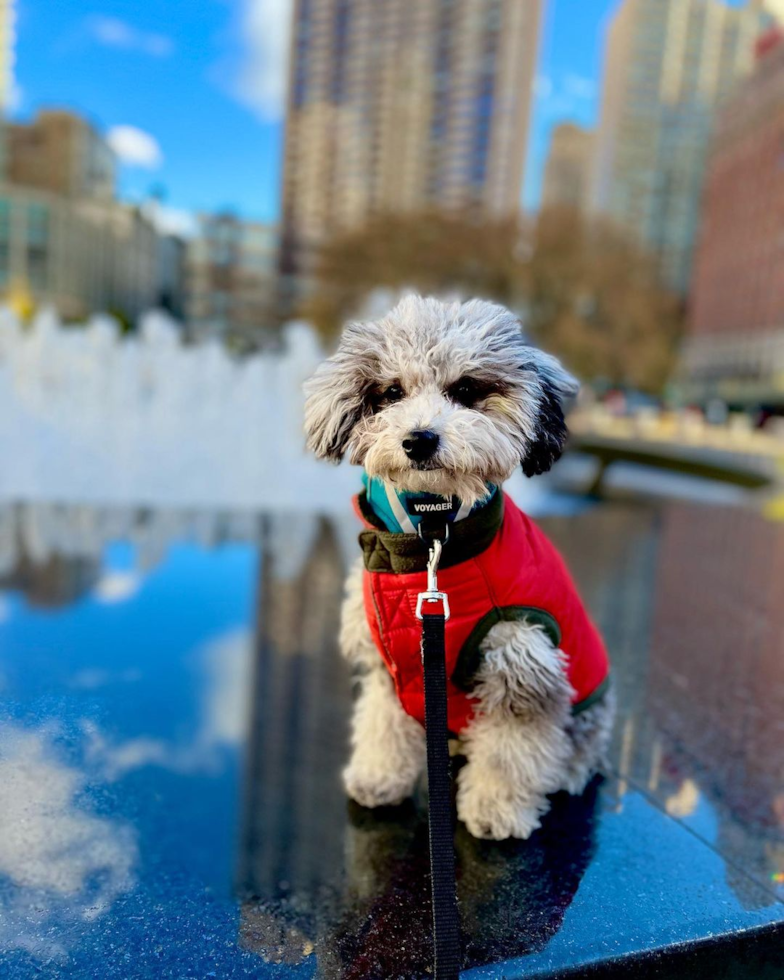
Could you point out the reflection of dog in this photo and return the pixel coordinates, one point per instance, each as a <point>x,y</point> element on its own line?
<point>512,896</point>
<point>374,923</point>
<point>445,401</point>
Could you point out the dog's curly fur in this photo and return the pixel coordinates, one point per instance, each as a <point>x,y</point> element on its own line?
<point>465,372</point>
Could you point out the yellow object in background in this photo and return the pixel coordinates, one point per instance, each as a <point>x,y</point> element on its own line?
<point>774,509</point>
<point>20,301</point>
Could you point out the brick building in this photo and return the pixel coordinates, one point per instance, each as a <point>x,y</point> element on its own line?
<point>65,240</point>
<point>60,152</point>
<point>736,345</point>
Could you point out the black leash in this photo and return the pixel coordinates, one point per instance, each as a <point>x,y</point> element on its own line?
<point>446,918</point>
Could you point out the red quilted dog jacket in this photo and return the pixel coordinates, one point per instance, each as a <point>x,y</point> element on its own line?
<point>497,566</point>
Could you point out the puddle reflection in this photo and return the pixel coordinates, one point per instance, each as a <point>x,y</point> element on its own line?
<point>150,686</point>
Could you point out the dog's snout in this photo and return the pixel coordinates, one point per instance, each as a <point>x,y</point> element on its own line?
<point>420,445</point>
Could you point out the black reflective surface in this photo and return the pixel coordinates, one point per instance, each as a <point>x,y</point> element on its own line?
<point>174,720</point>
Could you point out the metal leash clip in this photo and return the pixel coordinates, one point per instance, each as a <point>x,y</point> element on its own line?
<point>432,594</point>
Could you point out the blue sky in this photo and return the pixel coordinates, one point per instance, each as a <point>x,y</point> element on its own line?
<point>192,89</point>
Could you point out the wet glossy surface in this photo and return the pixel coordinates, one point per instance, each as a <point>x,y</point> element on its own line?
<point>173,724</point>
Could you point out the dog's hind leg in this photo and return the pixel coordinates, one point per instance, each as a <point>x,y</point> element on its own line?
<point>517,747</point>
<point>590,734</point>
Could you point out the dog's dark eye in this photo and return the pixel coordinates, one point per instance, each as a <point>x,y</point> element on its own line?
<point>467,391</point>
<point>393,393</point>
<point>380,397</point>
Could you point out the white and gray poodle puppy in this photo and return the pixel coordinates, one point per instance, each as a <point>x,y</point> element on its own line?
<point>449,399</point>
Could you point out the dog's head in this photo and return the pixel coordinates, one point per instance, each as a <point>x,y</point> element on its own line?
<point>441,397</point>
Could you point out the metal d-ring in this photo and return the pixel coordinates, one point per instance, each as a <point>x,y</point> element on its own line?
<point>427,541</point>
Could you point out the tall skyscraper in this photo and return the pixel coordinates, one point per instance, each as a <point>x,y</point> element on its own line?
<point>668,65</point>
<point>399,105</point>
<point>7,53</point>
<point>567,175</point>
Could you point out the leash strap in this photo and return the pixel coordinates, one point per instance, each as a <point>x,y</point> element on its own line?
<point>446,918</point>
<point>446,921</point>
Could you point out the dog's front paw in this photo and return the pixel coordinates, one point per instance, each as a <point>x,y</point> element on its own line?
<point>491,811</point>
<point>499,821</point>
<point>371,788</point>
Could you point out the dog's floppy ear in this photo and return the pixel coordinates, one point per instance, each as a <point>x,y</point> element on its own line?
<point>557,387</point>
<point>335,400</point>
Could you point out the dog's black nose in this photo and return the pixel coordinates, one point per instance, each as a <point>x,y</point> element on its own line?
<point>420,445</point>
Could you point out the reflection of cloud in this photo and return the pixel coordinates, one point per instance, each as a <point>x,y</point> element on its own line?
<point>64,863</point>
<point>116,586</point>
<point>5,609</point>
<point>226,666</point>
<point>92,678</point>
<point>115,760</point>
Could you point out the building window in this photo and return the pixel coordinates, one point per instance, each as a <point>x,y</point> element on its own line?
<point>5,235</point>
<point>37,245</point>
<point>342,22</point>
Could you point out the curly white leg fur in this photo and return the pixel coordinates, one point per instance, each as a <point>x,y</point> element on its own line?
<point>517,747</point>
<point>388,746</point>
<point>512,766</point>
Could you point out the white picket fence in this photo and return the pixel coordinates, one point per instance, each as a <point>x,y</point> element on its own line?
<point>92,417</point>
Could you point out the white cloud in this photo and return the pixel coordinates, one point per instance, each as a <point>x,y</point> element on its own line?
<point>265,28</point>
<point>112,32</point>
<point>564,96</point>
<point>14,99</point>
<point>116,587</point>
<point>579,87</point>
<point>174,221</point>
<point>134,147</point>
<point>543,86</point>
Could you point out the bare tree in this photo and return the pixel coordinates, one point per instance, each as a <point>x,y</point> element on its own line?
<point>584,290</point>
<point>432,252</point>
<point>596,299</point>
